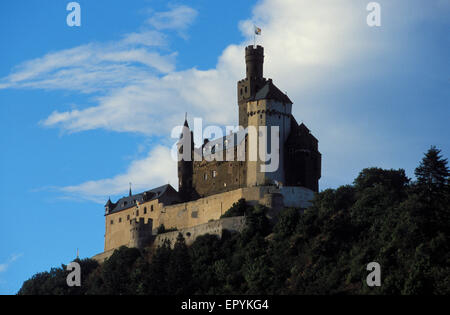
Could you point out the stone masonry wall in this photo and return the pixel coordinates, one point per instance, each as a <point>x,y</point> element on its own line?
<point>234,224</point>
<point>193,213</point>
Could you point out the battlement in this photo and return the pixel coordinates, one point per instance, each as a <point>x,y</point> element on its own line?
<point>233,225</point>
<point>254,60</point>
<point>252,50</point>
<point>140,232</point>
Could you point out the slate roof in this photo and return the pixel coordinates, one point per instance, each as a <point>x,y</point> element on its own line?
<point>130,201</point>
<point>270,91</point>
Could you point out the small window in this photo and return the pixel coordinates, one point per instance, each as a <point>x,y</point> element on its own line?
<point>245,90</point>
<point>137,213</point>
<point>112,222</point>
<point>145,210</point>
<point>128,217</point>
<point>205,176</point>
<point>241,91</point>
<point>214,174</point>
<point>120,220</point>
<point>224,184</point>
<point>151,208</point>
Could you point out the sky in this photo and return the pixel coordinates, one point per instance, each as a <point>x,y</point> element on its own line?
<point>86,110</point>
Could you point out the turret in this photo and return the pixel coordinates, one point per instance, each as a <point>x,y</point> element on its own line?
<point>254,60</point>
<point>108,206</point>
<point>253,82</point>
<point>185,162</point>
<point>140,233</point>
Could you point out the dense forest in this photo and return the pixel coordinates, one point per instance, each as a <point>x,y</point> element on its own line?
<point>383,216</point>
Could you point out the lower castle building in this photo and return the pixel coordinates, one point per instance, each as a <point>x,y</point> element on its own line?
<point>215,175</point>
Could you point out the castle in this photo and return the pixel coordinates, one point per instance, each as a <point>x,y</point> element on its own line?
<point>215,175</point>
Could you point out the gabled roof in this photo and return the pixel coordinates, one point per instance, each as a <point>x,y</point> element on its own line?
<point>298,130</point>
<point>130,201</point>
<point>270,91</point>
<point>303,128</point>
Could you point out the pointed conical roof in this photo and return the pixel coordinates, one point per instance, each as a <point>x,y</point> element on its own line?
<point>108,203</point>
<point>270,91</point>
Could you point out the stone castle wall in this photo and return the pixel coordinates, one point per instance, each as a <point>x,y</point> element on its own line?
<point>118,229</point>
<point>234,224</point>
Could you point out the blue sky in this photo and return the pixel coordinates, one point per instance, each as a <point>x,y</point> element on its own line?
<point>86,110</point>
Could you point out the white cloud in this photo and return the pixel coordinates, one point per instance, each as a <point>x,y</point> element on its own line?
<point>11,259</point>
<point>147,38</point>
<point>304,43</point>
<point>179,18</point>
<point>158,168</point>
<point>309,46</point>
<point>90,68</point>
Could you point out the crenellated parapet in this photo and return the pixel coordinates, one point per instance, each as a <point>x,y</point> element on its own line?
<point>140,232</point>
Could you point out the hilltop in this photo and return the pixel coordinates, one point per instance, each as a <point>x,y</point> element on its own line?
<point>383,216</point>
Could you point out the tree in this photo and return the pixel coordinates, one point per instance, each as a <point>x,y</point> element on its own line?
<point>432,173</point>
<point>117,269</point>
<point>179,272</point>
<point>324,249</point>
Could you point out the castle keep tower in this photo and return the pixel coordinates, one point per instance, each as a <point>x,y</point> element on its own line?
<point>254,80</point>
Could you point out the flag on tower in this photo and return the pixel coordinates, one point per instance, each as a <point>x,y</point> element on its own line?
<point>257,30</point>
